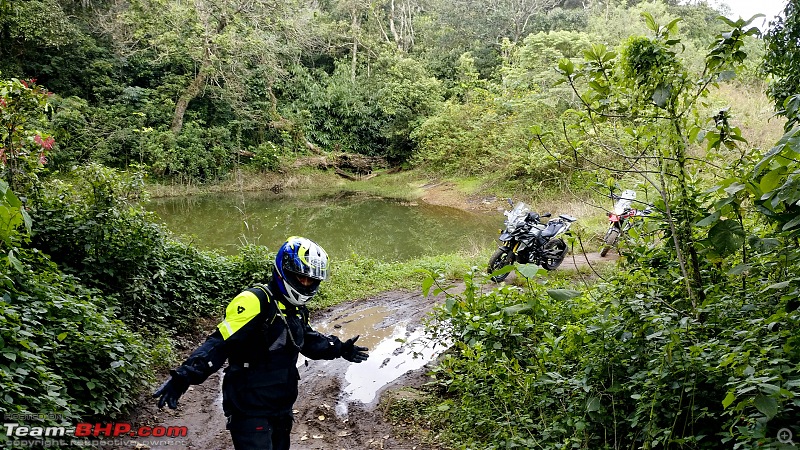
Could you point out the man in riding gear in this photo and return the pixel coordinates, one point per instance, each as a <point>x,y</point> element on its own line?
<point>264,331</point>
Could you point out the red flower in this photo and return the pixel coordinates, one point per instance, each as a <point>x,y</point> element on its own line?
<point>42,159</point>
<point>3,102</point>
<point>25,83</point>
<point>47,143</point>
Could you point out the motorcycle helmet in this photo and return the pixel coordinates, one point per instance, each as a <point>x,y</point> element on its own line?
<point>300,266</point>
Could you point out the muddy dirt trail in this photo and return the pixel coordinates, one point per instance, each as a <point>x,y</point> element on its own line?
<point>337,406</point>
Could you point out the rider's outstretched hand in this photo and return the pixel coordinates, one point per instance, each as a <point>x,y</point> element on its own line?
<point>172,389</point>
<point>354,353</point>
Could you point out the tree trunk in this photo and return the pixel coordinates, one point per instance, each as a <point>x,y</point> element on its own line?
<point>191,92</point>
<point>200,79</point>
<point>393,27</point>
<point>354,27</point>
<point>685,217</point>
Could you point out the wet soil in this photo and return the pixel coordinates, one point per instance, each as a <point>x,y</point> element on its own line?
<point>339,402</point>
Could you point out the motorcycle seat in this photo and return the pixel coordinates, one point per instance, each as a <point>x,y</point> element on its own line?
<point>568,218</point>
<point>551,229</point>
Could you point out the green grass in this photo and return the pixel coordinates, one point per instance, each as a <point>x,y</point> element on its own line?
<point>357,278</point>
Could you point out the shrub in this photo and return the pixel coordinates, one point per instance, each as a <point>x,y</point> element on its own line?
<point>93,227</point>
<point>627,363</point>
<point>61,351</point>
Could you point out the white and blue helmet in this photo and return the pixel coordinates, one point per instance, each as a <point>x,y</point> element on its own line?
<point>300,256</point>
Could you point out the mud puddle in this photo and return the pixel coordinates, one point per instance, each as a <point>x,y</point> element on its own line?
<point>395,348</point>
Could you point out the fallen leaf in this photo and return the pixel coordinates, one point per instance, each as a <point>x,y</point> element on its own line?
<point>318,436</point>
<point>322,417</point>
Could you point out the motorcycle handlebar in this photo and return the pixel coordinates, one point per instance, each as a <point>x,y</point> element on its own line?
<point>647,210</point>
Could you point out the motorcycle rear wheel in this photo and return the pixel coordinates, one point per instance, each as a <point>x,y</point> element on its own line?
<point>500,258</point>
<point>553,253</point>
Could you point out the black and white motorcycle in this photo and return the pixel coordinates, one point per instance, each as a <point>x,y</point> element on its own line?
<point>527,240</point>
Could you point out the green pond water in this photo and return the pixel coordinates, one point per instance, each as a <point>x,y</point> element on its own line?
<point>344,223</point>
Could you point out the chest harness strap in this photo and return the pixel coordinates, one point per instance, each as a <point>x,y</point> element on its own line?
<point>287,330</point>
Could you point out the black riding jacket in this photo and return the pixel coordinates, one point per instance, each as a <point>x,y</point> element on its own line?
<point>260,338</point>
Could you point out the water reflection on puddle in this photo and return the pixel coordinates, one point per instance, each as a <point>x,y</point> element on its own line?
<point>394,350</point>
<point>366,323</point>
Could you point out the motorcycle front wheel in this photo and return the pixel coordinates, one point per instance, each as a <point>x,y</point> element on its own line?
<point>553,253</point>
<point>610,240</point>
<point>500,258</point>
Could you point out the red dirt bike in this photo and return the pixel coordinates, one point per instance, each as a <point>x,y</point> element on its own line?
<point>621,219</point>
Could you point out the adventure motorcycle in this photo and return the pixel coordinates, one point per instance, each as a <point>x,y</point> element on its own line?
<point>526,240</point>
<point>621,219</point>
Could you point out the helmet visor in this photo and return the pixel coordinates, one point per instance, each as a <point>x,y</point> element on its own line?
<point>303,284</point>
<point>311,262</point>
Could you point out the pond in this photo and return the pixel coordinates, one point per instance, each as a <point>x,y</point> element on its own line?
<point>343,223</point>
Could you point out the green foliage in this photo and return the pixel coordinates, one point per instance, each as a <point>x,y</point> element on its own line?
<point>486,135</point>
<point>641,108</point>
<point>60,352</point>
<point>639,360</point>
<point>335,112</point>
<point>406,95</point>
<point>775,185</point>
<point>267,157</point>
<point>622,364</point>
<point>93,228</point>
<point>32,27</point>
<point>782,58</point>
<point>531,70</point>
<point>23,144</point>
<point>371,114</point>
<point>649,64</point>
<point>12,216</point>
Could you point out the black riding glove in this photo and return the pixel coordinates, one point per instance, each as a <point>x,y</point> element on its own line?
<point>352,352</point>
<point>172,389</point>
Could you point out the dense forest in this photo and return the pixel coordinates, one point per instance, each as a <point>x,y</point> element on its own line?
<point>694,344</point>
